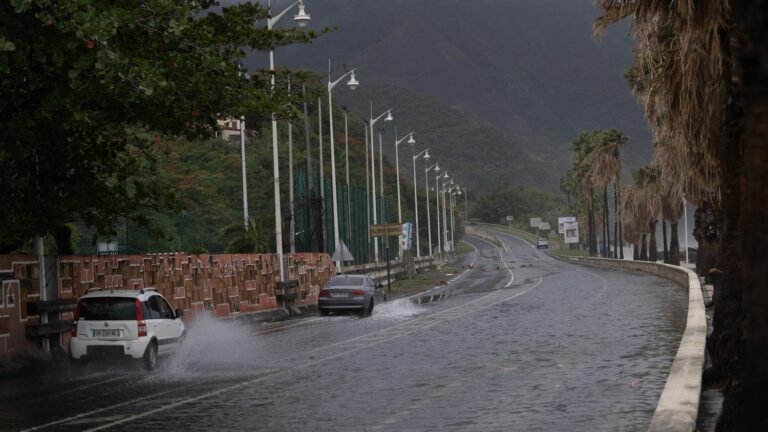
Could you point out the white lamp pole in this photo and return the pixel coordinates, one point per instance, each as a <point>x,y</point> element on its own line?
<point>685,227</point>
<point>446,183</point>
<point>242,165</point>
<point>408,136</point>
<point>301,19</point>
<point>349,191</point>
<point>437,207</point>
<point>371,123</point>
<point>424,153</point>
<point>292,213</point>
<point>352,84</point>
<point>436,167</point>
<point>367,192</point>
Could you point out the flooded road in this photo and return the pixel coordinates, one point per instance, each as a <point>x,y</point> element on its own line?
<point>525,342</point>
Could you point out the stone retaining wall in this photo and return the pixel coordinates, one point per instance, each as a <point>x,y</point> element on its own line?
<point>224,284</point>
<point>679,402</point>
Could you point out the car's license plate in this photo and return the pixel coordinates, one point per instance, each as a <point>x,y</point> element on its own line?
<point>339,294</point>
<point>106,333</point>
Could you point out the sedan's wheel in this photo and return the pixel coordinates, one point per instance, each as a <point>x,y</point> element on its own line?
<point>366,310</point>
<point>323,312</point>
<point>150,356</point>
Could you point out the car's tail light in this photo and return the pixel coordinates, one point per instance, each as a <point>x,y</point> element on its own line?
<point>141,325</point>
<point>358,293</point>
<point>75,319</point>
<point>324,293</point>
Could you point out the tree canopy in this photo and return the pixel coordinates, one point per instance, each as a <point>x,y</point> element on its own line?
<point>93,90</point>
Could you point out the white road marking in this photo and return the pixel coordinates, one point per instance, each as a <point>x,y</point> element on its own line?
<point>501,260</point>
<point>277,328</point>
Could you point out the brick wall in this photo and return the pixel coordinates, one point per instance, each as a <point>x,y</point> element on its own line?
<point>223,284</point>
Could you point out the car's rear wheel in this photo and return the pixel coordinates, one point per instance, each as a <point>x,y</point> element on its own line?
<point>366,310</point>
<point>323,312</point>
<point>150,356</point>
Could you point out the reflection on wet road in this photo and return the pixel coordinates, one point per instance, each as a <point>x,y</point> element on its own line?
<point>524,342</point>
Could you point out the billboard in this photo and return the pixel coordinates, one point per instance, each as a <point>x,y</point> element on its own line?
<point>571,231</point>
<point>561,223</point>
<point>535,222</point>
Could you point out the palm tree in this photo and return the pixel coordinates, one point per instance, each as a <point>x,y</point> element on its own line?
<point>604,161</point>
<point>254,238</point>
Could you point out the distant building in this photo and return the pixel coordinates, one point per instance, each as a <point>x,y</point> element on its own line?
<point>229,130</point>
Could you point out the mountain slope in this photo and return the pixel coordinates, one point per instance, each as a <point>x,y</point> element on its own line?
<point>528,71</point>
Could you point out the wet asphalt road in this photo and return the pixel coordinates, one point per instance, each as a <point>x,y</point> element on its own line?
<point>525,343</point>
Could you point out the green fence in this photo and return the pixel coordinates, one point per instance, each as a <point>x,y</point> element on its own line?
<point>313,212</point>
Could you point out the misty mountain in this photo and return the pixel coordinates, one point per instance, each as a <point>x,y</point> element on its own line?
<point>498,88</point>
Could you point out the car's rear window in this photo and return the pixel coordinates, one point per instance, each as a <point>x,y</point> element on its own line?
<point>108,308</point>
<point>337,282</point>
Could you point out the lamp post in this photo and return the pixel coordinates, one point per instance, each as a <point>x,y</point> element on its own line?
<point>301,19</point>
<point>242,166</point>
<point>408,136</point>
<point>436,167</point>
<point>291,208</point>
<point>424,153</point>
<point>371,123</point>
<point>453,215</point>
<point>444,190</point>
<point>437,208</point>
<point>367,192</point>
<point>346,157</point>
<point>352,84</point>
<point>685,227</point>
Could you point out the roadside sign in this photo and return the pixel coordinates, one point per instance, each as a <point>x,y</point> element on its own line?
<point>342,253</point>
<point>571,232</point>
<point>544,226</point>
<point>510,218</point>
<point>535,222</point>
<point>386,230</point>
<point>406,236</point>
<point>561,221</point>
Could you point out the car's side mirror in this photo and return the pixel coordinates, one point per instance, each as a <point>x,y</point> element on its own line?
<point>379,286</point>
<point>179,313</point>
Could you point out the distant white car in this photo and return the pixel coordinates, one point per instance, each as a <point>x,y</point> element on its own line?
<point>138,324</point>
<point>542,243</point>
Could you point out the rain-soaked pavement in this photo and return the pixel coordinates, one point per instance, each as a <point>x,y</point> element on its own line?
<point>526,343</point>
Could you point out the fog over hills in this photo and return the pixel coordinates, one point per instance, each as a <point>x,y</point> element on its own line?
<point>495,87</point>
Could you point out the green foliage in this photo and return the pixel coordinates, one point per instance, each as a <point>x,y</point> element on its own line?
<point>95,92</point>
<point>521,202</point>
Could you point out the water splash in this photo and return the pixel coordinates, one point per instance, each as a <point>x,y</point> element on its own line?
<point>214,346</point>
<point>397,309</point>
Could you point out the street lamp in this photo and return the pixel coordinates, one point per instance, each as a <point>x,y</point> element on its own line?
<point>371,123</point>
<point>424,153</point>
<point>438,192</point>
<point>409,137</point>
<point>301,20</point>
<point>436,167</point>
<point>444,190</point>
<point>457,191</point>
<point>352,84</point>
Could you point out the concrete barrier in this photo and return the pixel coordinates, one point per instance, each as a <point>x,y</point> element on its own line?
<point>678,405</point>
<point>483,234</point>
<point>378,271</point>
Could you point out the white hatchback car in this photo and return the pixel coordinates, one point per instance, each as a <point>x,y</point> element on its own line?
<point>138,324</point>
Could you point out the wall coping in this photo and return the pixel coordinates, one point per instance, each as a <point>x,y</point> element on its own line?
<point>678,405</point>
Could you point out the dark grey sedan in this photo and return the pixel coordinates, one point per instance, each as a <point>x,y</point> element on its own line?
<point>355,293</point>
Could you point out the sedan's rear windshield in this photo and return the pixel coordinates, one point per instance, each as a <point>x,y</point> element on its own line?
<point>108,308</point>
<point>337,282</point>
